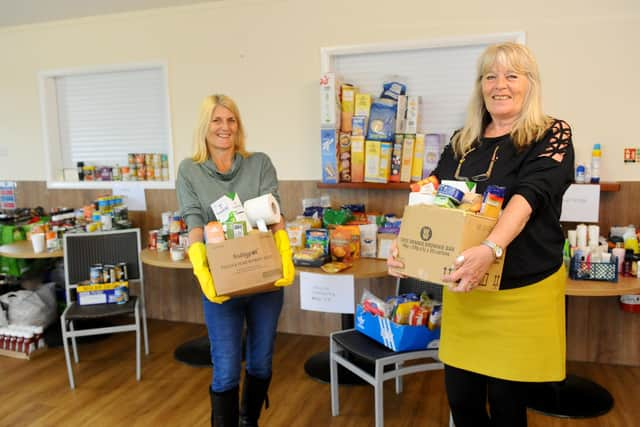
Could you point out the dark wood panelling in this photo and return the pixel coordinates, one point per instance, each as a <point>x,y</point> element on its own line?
<point>597,329</point>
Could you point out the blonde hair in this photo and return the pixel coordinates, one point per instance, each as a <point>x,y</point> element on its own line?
<point>531,123</point>
<point>201,153</point>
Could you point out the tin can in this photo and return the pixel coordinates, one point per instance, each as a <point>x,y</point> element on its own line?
<point>125,273</point>
<point>153,239</point>
<point>121,294</point>
<point>108,273</point>
<point>131,159</point>
<point>163,241</point>
<point>183,240</point>
<point>95,274</point>
<point>174,238</point>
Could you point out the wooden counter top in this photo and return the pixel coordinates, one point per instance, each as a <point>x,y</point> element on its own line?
<point>363,268</point>
<point>593,288</point>
<point>24,250</point>
<point>163,259</point>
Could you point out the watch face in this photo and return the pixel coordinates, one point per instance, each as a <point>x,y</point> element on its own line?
<point>498,251</point>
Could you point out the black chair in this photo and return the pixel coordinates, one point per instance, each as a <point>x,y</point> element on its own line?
<point>354,350</point>
<point>81,251</point>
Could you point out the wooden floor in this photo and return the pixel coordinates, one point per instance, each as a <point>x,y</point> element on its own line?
<point>36,392</point>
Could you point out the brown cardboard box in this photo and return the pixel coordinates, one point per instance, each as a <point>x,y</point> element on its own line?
<point>432,237</point>
<point>247,265</point>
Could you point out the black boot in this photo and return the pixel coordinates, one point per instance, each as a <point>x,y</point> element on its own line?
<point>224,408</point>
<point>254,394</point>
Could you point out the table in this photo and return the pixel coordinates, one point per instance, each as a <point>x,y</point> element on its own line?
<point>317,366</point>
<point>24,250</point>
<point>577,397</point>
<point>195,352</point>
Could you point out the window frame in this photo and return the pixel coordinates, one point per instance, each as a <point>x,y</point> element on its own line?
<point>51,132</point>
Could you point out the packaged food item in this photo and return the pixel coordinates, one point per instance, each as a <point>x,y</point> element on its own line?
<point>335,267</point>
<point>213,232</point>
<point>317,238</point>
<point>309,257</point>
<point>419,315</point>
<point>402,310</point>
<point>375,305</point>
<point>295,231</point>
<point>368,241</point>
<point>435,317</point>
<point>492,200</point>
<point>340,244</point>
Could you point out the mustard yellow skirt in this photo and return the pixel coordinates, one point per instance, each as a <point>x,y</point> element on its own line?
<point>515,334</point>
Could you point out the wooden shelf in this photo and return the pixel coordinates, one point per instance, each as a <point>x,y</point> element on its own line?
<point>604,186</point>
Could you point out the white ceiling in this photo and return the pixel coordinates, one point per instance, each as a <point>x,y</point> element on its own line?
<point>21,12</point>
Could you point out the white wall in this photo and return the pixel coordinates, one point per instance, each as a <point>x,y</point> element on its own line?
<point>266,55</point>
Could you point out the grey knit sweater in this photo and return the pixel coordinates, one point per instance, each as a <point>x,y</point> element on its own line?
<point>198,185</point>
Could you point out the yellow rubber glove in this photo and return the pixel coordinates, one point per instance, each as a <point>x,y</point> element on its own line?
<point>198,257</point>
<point>288,270</point>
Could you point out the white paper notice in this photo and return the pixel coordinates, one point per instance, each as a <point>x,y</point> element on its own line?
<point>327,293</point>
<point>581,203</point>
<point>133,195</point>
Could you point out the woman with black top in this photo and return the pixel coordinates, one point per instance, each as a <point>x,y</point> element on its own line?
<point>494,343</point>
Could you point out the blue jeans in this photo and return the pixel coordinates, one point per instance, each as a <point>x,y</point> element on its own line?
<point>225,324</point>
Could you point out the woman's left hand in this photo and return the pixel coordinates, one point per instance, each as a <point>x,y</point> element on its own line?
<point>470,268</point>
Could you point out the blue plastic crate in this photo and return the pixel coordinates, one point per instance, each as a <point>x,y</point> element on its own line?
<point>394,336</point>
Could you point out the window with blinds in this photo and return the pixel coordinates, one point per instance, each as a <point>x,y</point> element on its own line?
<point>100,116</point>
<point>441,72</point>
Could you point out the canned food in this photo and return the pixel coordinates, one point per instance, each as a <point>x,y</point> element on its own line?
<point>153,239</point>
<point>108,273</point>
<point>124,272</point>
<point>163,241</point>
<point>174,238</point>
<point>184,240</point>
<point>95,274</point>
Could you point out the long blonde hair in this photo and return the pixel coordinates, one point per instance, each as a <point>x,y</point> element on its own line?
<point>531,123</point>
<point>201,153</point>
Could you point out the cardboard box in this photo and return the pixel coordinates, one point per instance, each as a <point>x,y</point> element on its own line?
<point>385,161</point>
<point>432,237</point>
<point>329,156</point>
<point>357,158</point>
<point>102,293</point>
<point>433,145</point>
<point>384,244</point>
<point>401,113</point>
<point>247,265</point>
<point>363,104</point>
<point>329,101</point>
<point>372,150</point>
<point>394,336</point>
<point>418,158</point>
<point>408,147</point>
<point>412,124</point>
<point>396,159</point>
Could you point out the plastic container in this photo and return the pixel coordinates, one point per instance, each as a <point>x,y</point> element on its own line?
<point>580,174</point>
<point>596,153</point>
<point>582,269</point>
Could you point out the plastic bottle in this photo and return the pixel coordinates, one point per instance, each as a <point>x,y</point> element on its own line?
<point>596,153</point>
<point>579,174</point>
<point>619,252</point>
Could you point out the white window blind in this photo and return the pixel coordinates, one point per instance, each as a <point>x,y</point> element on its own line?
<point>104,116</point>
<point>441,72</point>
<point>99,116</point>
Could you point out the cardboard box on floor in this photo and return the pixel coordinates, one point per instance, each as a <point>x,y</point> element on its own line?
<point>432,237</point>
<point>247,265</point>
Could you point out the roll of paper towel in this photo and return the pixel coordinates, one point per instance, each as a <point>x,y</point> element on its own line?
<point>264,209</point>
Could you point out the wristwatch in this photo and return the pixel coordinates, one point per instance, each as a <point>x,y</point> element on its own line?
<point>497,249</point>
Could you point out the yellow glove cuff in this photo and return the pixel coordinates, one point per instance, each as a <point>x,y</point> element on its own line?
<point>198,257</point>
<point>284,247</point>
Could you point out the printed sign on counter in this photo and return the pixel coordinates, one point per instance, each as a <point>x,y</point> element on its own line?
<point>581,203</point>
<point>327,293</point>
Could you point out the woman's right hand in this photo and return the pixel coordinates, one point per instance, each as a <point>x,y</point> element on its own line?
<point>392,263</point>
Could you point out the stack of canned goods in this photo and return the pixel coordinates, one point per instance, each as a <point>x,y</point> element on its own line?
<point>147,167</point>
<point>172,234</point>
<point>108,273</point>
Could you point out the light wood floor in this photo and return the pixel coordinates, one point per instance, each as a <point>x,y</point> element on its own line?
<point>36,392</point>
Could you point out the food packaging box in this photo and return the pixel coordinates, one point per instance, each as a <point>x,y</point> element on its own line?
<point>432,237</point>
<point>433,145</point>
<point>401,113</point>
<point>385,161</point>
<point>329,101</point>
<point>329,149</point>
<point>247,265</point>
<point>347,106</point>
<point>357,158</point>
<point>396,159</point>
<point>411,123</point>
<point>408,149</point>
<point>418,158</point>
<point>102,293</point>
<point>382,120</point>
<point>372,161</point>
<point>344,157</point>
<point>394,336</point>
<point>358,125</point>
<point>363,104</point>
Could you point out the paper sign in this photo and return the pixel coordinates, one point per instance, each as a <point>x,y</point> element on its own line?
<point>327,293</point>
<point>581,203</point>
<point>132,194</point>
